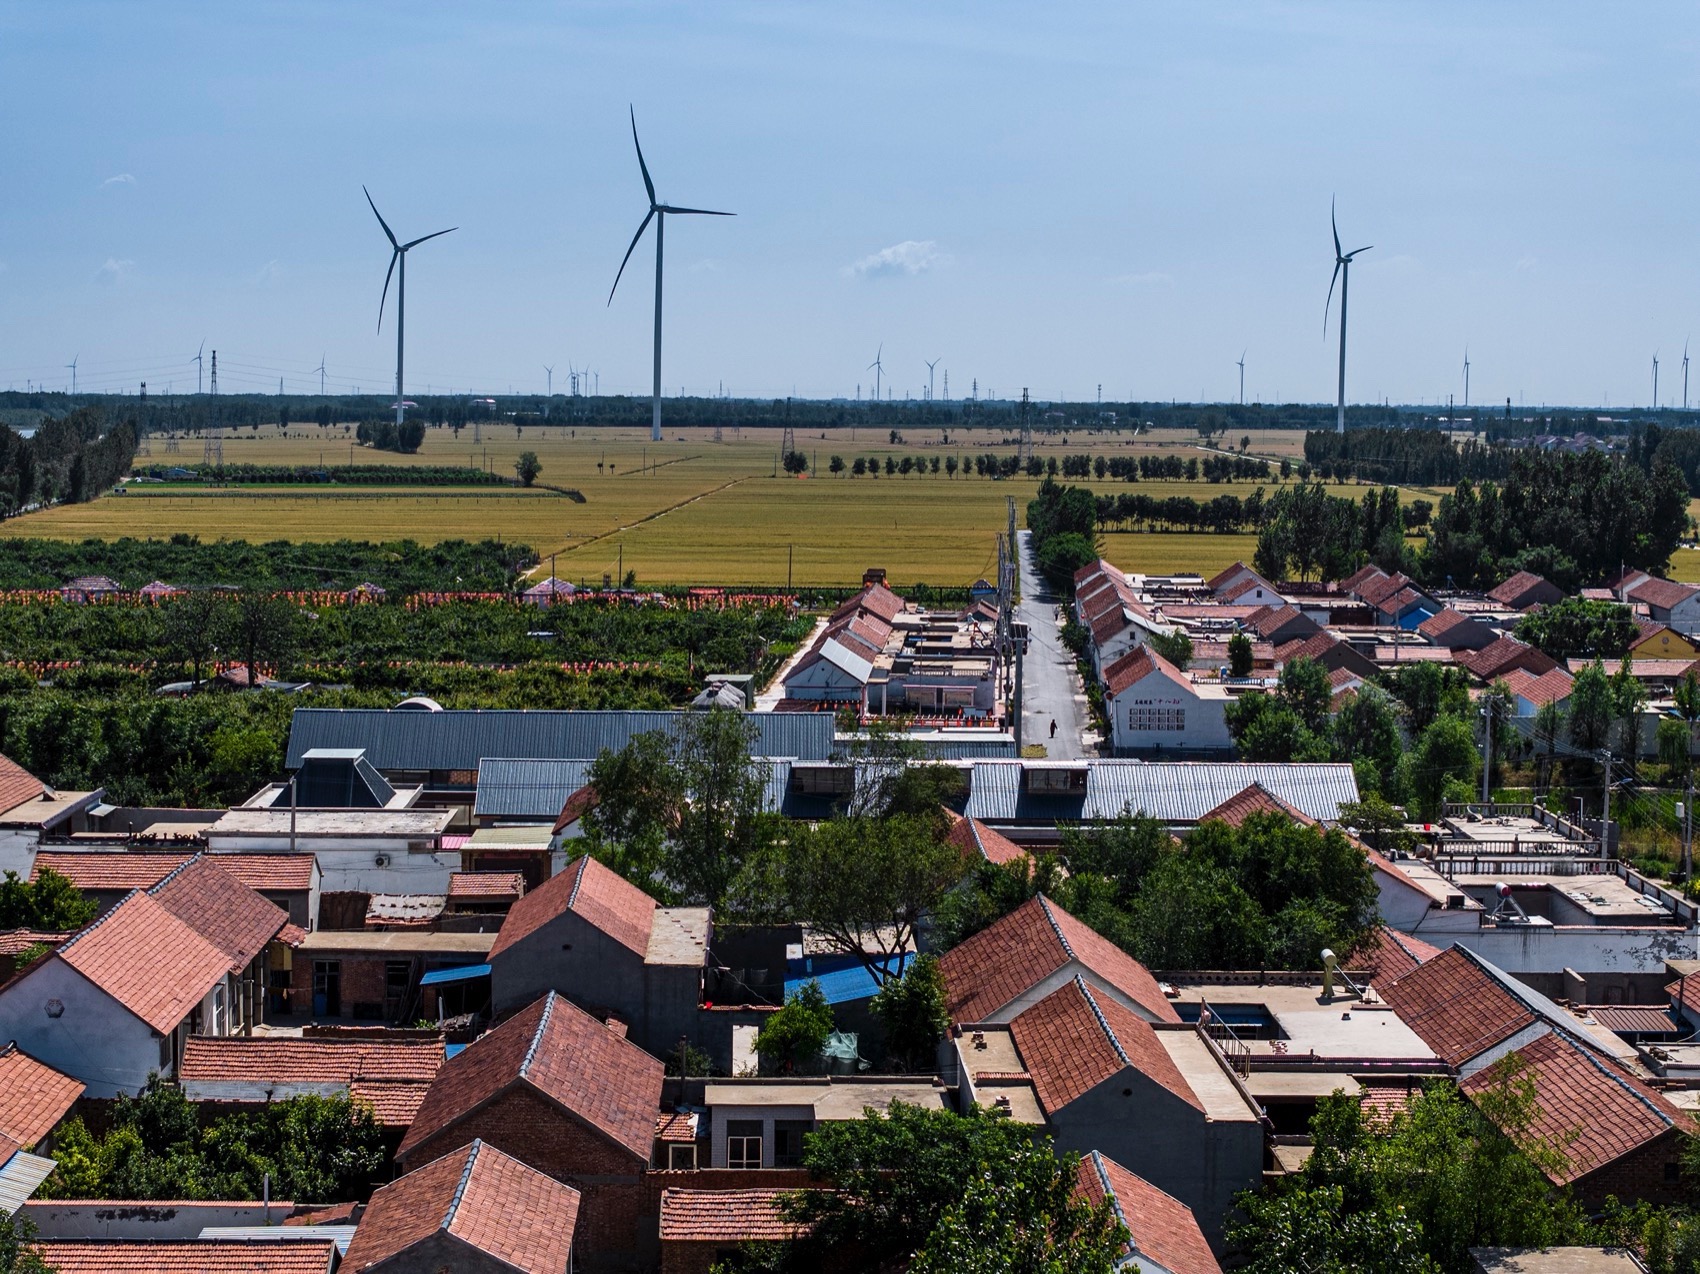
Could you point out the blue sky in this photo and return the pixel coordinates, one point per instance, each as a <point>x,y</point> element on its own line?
<point>1052,196</point>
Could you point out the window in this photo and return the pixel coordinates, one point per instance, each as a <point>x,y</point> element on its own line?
<point>1156,720</point>
<point>823,780</point>
<point>217,1010</point>
<point>788,1141</point>
<point>682,1156</point>
<point>743,1143</point>
<point>1056,781</point>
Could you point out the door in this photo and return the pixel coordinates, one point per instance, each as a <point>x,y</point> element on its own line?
<point>327,988</point>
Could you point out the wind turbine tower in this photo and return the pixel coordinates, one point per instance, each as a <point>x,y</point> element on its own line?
<point>930,367</point>
<point>877,368</point>
<point>196,360</point>
<point>73,366</point>
<point>1342,275</point>
<point>1466,378</point>
<point>657,213</point>
<point>1240,365</point>
<point>321,370</point>
<point>398,252</point>
<point>1685,375</point>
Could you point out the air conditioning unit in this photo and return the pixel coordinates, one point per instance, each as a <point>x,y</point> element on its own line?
<point>381,860</point>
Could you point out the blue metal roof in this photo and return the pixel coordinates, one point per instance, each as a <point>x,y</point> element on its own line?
<point>516,788</point>
<point>460,739</point>
<point>843,985</point>
<point>1169,791</point>
<point>465,973</point>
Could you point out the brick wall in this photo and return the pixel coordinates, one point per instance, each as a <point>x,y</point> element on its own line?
<point>538,1133</point>
<point>362,981</point>
<point>1639,1175</point>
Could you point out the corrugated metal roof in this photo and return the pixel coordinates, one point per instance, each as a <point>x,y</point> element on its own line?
<point>515,788</point>
<point>341,1235</point>
<point>1170,791</point>
<point>460,739</point>
<point>20,1178</point>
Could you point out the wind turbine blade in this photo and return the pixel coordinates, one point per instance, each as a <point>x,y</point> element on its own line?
<point>648,217</point>
<point>1330,300</point>
<point>643,167</point>
<point>394,257</point>
<point>380,217</point>
<point>700,212</point>
<point>422,238</point>
<point>1333,225</point>
<point>1354,252</point>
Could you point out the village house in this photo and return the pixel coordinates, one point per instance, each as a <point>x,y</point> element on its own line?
<point>31,812</point>
<point>106,876</point>
<point>1155,707</point>
<point>376,975</point>
<point>704,1228</point>
<point>1669,602</point>
<point>119,1000</point>
<point>1095,1076</point>
<point>475,1210</point>
<point>761,1123</point>
<point>1524,591</point>
<point>284,1254</point>
<point>598,939</point>
<point>1163,1234</point>
<point>563,1093</point>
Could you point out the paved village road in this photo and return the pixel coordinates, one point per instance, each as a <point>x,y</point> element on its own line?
<point>1051,687</point>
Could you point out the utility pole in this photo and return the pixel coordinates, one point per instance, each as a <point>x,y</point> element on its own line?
<point>1487,761</point>
<point>1604,755</point>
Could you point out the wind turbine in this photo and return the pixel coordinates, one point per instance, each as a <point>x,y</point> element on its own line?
<point>1466,378</point>
<point>398,252</point>
<point>321,370</point>
<point>657,213</point>
<point>549,372</point>
<point>1342,275</point>
<point>1655,380</point>
<point>196,360</point>
<point>930,367</point>
<point>1241,366</point>
<point>878,369</point>
<point>1685,375</point>
<point>73,366</point>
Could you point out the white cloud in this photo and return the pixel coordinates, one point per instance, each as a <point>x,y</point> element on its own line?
<point>114,272</point>
<point>1526,263</point>
<point>270,272</point>
<point>910,257</point>
<point>122,179</point>
<point>1144,279</point>
<point>708,265</point>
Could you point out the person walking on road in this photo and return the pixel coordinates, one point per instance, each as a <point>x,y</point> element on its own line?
<point>1053,728</point>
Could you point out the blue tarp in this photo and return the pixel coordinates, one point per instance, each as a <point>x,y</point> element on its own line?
<point>843,985</point>
<point>464,974</point>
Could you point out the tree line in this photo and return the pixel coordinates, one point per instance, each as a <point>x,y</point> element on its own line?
<point>1413,457</point>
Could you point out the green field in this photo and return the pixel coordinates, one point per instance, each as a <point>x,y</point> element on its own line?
<point>687,509</point>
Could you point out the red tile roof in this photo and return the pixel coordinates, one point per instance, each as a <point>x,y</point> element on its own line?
<point>1592,1111</point>
<point>1160,1227</point>
<point>1003,961</point>
<point>280,873</point>
<point>394,1103</point>
<point>576,807</point>
<point>877,599</point>
<point>33,1096</point>
<point>17,941</point>
<point>1313,647</point>
<point>725,1216</point>
<point>1377,590</point>
<point>1358,578</point>
<point>211,901</point>
<point>1254,799</point>
<point>1386,1096</point>
<point>1448,627</point>
<point>1266,621</point>
<point>1513,591</point>
<point>1456,1007</point>
<point>467,885</point>
<point>17,785</point>
<point>1138,664</point>
<point>293,1059</point>
<point>1222,576</point>
<point>678,1126</point>
<point>586,888</point>
<point>1549,687</point>
<point>487,1200</point>
<point>1403,600</point>
<point>1236,591</point>
<point>110,869</point>
<point>1386,953</point>
<point>1663,593</point>
<point>146,959</point>
<point>188,1256</point>
<point>1501,656</point>
<point>557,1050</point>
<point>974,837</point>
<point>1072,1040</point>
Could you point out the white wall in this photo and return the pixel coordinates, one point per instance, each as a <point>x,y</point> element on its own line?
<point>94,1039</point>
<point>1585,948</point>
<point>352,866</point>
<point>1205,721</point>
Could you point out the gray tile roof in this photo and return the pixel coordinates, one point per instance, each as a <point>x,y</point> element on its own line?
<point>460,739</point>
<point>1170,791</point>
<point>511,788</point>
